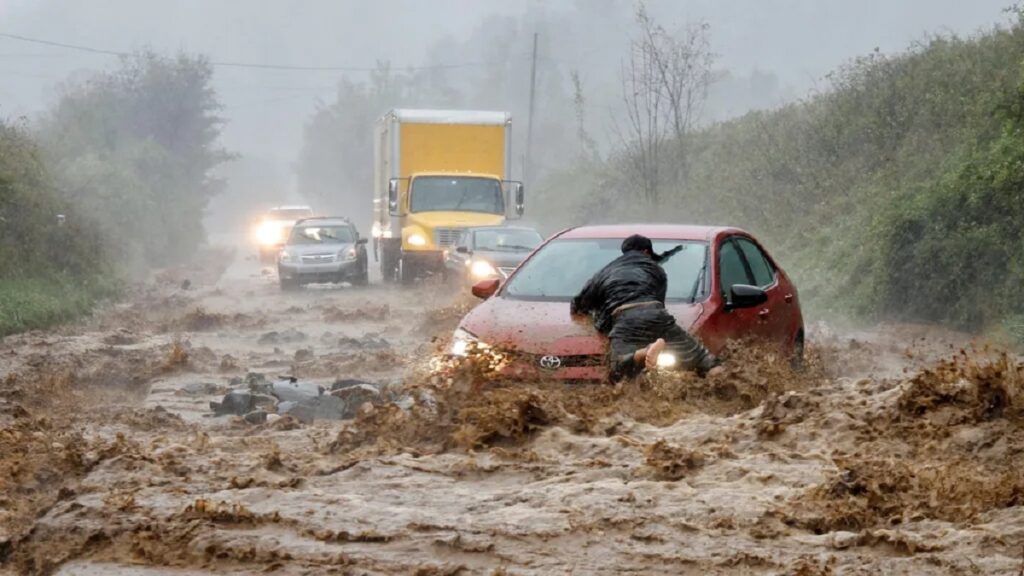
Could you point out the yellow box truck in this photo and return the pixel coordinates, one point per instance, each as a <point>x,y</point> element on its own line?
<point>437,172</point>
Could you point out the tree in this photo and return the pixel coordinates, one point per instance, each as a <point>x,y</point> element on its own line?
<point>665,83</point>
<point>136,148</point>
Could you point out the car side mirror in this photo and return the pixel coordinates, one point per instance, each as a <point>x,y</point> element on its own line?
<point>520,199</point>
<point>463,250</point>
<point>745,296</point>
<point>484,289</point>
<point>361,241</point>
<point>393,196</point>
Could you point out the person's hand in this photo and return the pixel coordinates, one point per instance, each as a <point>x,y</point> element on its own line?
<point>716,372</point>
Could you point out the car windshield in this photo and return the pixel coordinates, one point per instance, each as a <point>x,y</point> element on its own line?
<point>506,240</point>
<point>560,269</point>
<point>320,235</point>
<point>290,213</point>
<point>434,193</point>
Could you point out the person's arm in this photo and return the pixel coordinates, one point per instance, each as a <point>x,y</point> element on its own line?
<point>661,290</point>
<point>587,300</point>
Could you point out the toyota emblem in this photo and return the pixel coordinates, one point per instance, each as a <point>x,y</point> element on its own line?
<point>550,362</point>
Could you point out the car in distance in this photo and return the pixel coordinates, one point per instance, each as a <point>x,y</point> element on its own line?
<point>723,285</point>
<point>273,227</point>
<point>486,252</point>
<point>322,250</point>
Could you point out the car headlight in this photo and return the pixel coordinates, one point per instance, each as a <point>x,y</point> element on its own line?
<point>268,233</point>
<point>482,269</point>
<point>416,240</point>
<point>461,342</point>
<point>666,360</point>
<point>348,254</point>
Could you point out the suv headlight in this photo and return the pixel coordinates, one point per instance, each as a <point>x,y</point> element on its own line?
<point>347,254</point>
<point>285,256</point>
<point>461,342</point>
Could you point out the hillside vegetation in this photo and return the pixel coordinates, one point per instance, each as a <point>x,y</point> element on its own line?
<point>896,193</point>
<point>111,182</point>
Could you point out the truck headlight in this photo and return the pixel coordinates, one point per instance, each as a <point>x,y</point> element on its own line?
<point>416,240</point>
<point>482,269</point>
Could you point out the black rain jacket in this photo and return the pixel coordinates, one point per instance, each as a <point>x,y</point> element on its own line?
<point>632,277</point>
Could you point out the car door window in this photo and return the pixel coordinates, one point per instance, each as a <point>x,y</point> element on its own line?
<point>731,268</point>
<point>760,267</point>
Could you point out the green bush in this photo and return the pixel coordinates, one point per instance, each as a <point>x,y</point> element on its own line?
<point>897,193</point>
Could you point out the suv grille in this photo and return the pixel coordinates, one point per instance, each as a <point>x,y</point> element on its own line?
<point>446,236</point>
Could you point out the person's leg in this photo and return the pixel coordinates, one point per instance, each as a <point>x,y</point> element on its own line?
<point>690,353</point>
<point>623,362</point>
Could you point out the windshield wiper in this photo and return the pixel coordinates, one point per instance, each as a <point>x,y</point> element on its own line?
<point>699,283</point>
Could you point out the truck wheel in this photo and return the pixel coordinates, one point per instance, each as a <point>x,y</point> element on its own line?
<point>406,272</point>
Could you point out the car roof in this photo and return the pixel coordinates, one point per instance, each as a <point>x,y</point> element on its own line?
<point>652,231</point>
<point>326,220</point>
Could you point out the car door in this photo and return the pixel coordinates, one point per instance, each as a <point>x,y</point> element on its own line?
<point>740,323</point>
<point>773,314</point>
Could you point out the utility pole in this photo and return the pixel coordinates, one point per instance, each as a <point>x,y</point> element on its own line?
<point>529,122</point>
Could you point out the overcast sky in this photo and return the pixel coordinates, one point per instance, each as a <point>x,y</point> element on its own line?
<point>797,40</point>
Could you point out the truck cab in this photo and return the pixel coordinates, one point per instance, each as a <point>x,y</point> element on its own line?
<point>438,173</point>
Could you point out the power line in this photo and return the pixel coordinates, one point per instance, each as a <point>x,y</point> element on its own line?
<point>253,65</point>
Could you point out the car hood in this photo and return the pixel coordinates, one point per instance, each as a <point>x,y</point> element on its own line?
<point>546,327</point>
<point>500,258</point>
<point>311,249</point>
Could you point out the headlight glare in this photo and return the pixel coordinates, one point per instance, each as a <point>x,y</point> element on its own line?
<point>666,360</point>
<point>482,269</point>
<point>417,240</point>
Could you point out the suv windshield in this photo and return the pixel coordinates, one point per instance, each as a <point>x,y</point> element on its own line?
<point>506,240</point>
<point>560,269</point>
<point>471,194</point>
<point>321,235</point>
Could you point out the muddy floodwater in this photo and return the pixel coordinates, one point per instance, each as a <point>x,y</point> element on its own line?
<point>896,451</point>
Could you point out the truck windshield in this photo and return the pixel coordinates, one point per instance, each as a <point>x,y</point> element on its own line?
<point>457,194</point>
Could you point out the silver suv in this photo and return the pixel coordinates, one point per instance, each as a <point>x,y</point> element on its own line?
<point>322,250</point>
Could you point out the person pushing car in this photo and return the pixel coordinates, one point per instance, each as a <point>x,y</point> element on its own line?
<point>626,300</point>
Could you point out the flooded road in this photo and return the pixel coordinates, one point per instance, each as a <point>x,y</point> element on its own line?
<point>895,452</point>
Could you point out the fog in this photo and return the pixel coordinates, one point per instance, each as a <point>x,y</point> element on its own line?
<point>767,52</point>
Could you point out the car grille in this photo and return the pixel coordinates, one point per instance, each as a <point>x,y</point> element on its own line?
<point>578,361</point>
<point>446,236</point>
<point>317,258</point>
<point>505,271</point>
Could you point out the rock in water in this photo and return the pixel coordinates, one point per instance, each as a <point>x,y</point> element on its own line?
<point>296,391</point>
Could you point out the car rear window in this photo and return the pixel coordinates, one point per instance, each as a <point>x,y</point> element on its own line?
<point>560,268</point>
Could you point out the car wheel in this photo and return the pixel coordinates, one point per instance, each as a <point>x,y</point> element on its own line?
<point>796,361</point>
<point>362,278</point>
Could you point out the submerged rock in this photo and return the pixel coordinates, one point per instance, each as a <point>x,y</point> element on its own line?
<point>241,402</point>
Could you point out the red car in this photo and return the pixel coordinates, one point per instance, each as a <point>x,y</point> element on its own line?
<point>723,285</point>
